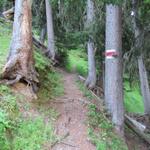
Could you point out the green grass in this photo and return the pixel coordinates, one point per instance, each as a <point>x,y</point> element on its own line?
<point>101,131</point>
<point>4,46</point>
<point>31,133</point>
<point>132,99</point>
<point>77,62</point>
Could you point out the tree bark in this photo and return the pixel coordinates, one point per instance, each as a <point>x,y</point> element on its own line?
<point>139,39</point>
<point>113,67</point>
<point>20,64</point>
<point>140,129</point>
<point>144,85</point>
<point>91,79</point>
<point>50,30</point>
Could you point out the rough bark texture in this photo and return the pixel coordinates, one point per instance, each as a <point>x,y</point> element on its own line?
<point>50,30</point>
<point>144,85</point>
<point>113,67</point>
<point>139,39</point>
<point>91,79</point>
<point>20,64</point>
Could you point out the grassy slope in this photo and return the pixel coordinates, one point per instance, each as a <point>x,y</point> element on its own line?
<point>32,132</point>
<point>132,99</point>
<point>100,129</point>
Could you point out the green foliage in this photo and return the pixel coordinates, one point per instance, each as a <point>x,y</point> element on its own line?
<point>51,84</point>
<point>4,125</point>
<point>132,98</point>
<point>41,62</point>
<point>84,90</point>
<point>32,134</point>
<point>17,132</point>
<point>114,2</point>
<point>77,62</point>
<point>9,115</point>
<point>4,46</point>
<point>101,131</point>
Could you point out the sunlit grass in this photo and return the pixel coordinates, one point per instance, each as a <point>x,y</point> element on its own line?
<point>77,62</point>
<point>132,99</point>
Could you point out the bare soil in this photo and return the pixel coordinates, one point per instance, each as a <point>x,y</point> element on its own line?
<point>71,123</point>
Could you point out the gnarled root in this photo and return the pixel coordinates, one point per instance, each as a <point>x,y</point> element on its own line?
<point>11,82</point>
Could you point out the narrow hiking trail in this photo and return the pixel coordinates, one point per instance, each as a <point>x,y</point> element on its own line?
<point>71,122</point>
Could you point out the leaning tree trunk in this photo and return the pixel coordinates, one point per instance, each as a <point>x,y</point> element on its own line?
<point>43,34</point>
<point>113,67</point>
<point>50,30</point>
<point>144,85</point>
<point>20,64</point>
<point>91,79</point>
<point>139,39</point>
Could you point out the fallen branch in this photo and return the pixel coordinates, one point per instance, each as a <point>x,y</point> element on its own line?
<point>40,46</point>
<point>81,78</point>
<point>8,14</point>
<point>138,128</point>
<point>68,144</point>
<point>59,140</point>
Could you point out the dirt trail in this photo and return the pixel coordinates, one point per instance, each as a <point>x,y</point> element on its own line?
<point>72,117</point>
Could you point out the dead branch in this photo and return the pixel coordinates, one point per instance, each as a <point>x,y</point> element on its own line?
<point>138,128</point>
<point>61,139</point>
<point>68,144</point>
<point>8,14</point>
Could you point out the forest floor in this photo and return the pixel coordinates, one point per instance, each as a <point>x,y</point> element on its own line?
<point>71,123</point>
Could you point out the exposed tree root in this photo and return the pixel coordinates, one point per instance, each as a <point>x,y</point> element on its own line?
<point>11,82</point>
<point>13,73</point>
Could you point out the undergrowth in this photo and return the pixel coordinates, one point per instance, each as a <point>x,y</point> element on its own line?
<point>101,130</point>
<point>77,62</point>
<point>133,99</point>
<point>33,132</point>
<point>51,84</point>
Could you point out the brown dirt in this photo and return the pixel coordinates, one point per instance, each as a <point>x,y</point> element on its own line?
<point>72,118</point>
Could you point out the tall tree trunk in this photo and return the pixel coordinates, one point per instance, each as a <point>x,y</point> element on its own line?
<point>43,33</point>
<point>50,30</point>
<point>91,79</point>
<point>113,67</point>
<point>20,64</point>
<point>139,39</point>
<point>144,85</point>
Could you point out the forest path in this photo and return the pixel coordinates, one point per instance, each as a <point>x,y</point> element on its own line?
<point>72,119</point>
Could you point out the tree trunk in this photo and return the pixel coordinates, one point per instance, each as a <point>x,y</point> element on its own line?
<point>91,79</point>
<point>50,30</point>
<point>20,64</point>
<point>43,34</point>
<point>113,67</point>
<point>139,39</point>
<point>144,85</point>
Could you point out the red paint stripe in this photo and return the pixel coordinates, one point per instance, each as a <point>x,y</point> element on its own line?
<point>107,53</point>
